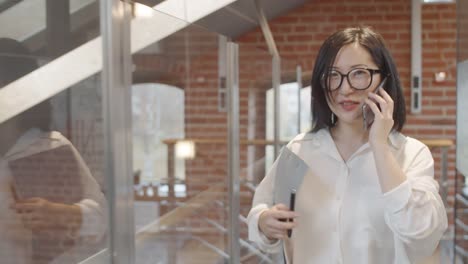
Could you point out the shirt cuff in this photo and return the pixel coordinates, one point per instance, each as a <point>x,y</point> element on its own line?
<point>257,236</point>
<point>92,220</point>
<point>397,198</point>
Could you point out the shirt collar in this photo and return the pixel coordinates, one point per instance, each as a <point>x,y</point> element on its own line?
<point>25,140</point>
<point>396,139</point>
<point>319,140</point>
<point>322,139</point>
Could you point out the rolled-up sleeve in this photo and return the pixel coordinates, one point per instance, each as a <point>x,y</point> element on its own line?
<point>93,219</point>
<point>415,211</point>
<point>263,200</point>
<point>93,205</point>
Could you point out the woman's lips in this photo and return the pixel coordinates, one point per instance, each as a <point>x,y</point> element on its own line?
<point>349,105</point>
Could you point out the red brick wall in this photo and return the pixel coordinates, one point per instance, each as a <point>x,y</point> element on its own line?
<point>463,32</point>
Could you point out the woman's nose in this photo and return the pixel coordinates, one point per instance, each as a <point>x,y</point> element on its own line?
<point>346,87</point>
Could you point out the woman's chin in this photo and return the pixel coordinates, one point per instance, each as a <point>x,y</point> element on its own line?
<point>351,120</point>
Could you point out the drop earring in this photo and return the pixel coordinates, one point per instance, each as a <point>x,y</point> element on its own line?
<point>332,118</point>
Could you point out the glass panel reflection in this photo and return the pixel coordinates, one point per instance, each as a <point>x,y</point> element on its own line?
<point>53,201</point>
<point>180,159</point>
<point>180,147</point>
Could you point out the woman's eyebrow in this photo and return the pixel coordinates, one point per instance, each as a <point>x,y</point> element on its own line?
<point>359,65</point>
<point>350,67</point>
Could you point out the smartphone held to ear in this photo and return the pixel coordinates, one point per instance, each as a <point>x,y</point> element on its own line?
<point>367,116</point>
<point>367,113</point>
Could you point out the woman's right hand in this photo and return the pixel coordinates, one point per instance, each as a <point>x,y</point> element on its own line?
<point>39,214</point>
<point>271,221</point>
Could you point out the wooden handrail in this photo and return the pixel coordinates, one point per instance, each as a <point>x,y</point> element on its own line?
<point>431,143</point>
<point>261,142</point>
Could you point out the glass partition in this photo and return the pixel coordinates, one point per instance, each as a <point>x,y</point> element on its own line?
<point>257,126</point>
<point>54,206</point>
<point>461,189</point>
<point>180,145</point>
<point>180,149</point>
<point>54,163</point>
<point>462,87</point>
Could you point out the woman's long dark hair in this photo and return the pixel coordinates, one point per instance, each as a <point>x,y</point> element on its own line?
<point>374,44</point>
<point>15,62</point>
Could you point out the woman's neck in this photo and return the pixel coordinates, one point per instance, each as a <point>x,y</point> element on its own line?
<point>349,131</point>
<point>348,138</point>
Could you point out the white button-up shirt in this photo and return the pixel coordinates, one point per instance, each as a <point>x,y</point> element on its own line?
<point>345,217</point>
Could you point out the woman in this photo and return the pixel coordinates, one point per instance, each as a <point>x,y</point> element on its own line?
<point>369,195</point>
<point>36,229</point>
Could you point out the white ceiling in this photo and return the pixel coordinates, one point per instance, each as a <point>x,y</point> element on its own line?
<point>241,17</point>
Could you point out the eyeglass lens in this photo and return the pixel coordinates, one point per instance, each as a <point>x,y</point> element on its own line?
<point>359,79</point>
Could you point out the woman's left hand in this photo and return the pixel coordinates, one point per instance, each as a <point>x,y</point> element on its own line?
<point>383,117</point>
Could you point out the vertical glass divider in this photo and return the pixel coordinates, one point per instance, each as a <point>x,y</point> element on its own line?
<point>116,78</point>
<point>276,74</point>
<point>299,88</point>
<point>233,151</point>
<point>276,79</point>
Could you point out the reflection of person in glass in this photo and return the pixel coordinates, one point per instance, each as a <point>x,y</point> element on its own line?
<point>32,224</point>
<point>369,194</point>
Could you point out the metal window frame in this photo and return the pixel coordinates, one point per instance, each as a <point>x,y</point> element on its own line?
<point>232,60</point>
<point>116,81</point>
<point>276,74</point>
<point>416,57</point>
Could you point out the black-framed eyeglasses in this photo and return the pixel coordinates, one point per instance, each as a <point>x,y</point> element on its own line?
<point>358,78</point>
